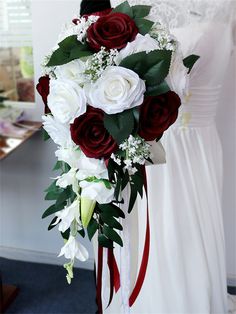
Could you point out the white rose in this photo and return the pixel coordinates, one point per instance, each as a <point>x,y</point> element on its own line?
<point>72,71</point>
<point>66,100</point>
<point>141,43</point>
<point>59,133</point>
<point>69,155</point>
<point>68,215</point>
<point>117,89</point>
<point>178,78</point>
<point>97,191</point>
<point>91,167</point>
<point>73,249</point>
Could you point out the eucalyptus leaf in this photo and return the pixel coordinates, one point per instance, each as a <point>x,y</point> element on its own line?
<point>133,197</point>
<point>53,209</point>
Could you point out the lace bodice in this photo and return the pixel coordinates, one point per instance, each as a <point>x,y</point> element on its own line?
<point>178,13</point>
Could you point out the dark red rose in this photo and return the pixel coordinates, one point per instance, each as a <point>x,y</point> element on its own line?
<point>157,114</point>
<point>43,90</point>
<point>89,133</point>
<point>112,31</point>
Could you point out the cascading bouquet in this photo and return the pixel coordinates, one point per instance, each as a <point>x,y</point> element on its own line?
<point>111,87</point>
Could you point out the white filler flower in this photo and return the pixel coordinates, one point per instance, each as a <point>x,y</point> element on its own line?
<point>66,100</point>
<point>73,249</point>
<point>141,43</point>
<point>117,89</point>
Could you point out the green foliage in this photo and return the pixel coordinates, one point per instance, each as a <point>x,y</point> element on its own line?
<point>69,49</point>
<point>144,25</point>
<point>190,61</point>
<point>137,13</point>
<point>92,228</point>
<point>153,67</point>
<point>46,137</point>
<point>119,125</point>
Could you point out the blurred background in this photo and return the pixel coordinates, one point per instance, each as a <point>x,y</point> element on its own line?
<point>28,30</point>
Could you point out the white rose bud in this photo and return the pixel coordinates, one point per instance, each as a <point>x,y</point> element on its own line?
<point>141,43</point>
<point>73,71</point>
<point>117,89</point>
<point>66,100</point>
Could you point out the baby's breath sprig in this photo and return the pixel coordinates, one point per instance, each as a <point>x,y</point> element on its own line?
<point>99,62</point>
<point>137,152</point>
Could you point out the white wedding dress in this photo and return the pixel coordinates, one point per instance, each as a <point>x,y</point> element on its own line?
<point>186,270</point>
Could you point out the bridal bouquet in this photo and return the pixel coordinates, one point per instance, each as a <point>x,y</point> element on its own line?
<point>111,87</point>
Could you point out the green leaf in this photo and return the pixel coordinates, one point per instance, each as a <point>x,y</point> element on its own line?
<point>155,90</point>
<point>64,196</point>
<point>111,210</point>
<point>59,57</point>
<point>68,43</point>
<point>190,61</point>
<point>158,65</point>
<point>69,49</point>
<point>51,226</point>
<point>58,165</point>
<point>92,228</point>
<point>82,233</point>
<point>153,67</point>
<point>133,197</point>
<point>144,25</point>
<point>125,180</point>
<point>124,8</point>
<point>66,234</point>
<point>104,241</point>
<point>52,187</point>
<point>112,235</point>
<point>53,209</point>
<point>140,11</point>
<point>46,137</point>
<point>137,180</point>
<point>111,222</point>
<point>119,125</point>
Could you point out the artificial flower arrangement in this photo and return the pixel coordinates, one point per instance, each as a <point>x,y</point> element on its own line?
<point>111,86</point>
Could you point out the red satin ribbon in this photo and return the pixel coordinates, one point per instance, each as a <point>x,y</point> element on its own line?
<point>114,271</point>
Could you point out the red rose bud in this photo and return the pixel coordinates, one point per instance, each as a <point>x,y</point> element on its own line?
<point>112,31</point>
<point>89,133</point>
<point>43,90</point>
<point>157,114</point>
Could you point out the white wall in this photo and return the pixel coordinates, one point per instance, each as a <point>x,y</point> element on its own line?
<point>25,174</point>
